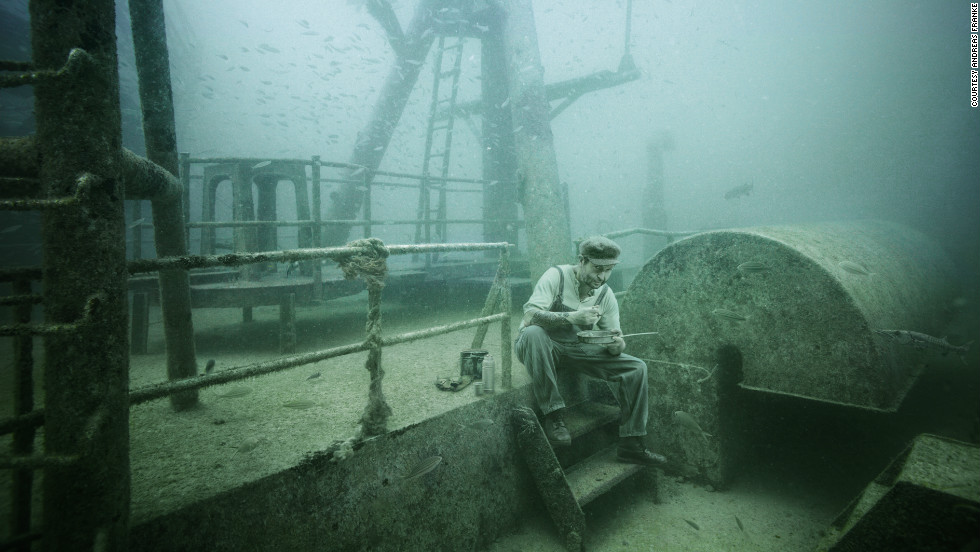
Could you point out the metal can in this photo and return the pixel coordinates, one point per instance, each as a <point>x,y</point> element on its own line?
<point>478,388</point>
<point>471,362</point>
<point>489,373</point>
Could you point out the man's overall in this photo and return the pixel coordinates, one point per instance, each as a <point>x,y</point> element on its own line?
<point>544,352</point>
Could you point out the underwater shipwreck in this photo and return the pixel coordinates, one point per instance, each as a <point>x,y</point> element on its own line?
<point>829,316</point>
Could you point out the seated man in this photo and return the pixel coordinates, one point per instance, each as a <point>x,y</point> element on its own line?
<point>568,299</point>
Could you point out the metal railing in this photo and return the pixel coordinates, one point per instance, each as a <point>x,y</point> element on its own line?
<point>496,309</point>
<point>362,177</point>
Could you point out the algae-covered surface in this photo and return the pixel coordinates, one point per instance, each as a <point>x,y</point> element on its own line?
<point>245,430</point>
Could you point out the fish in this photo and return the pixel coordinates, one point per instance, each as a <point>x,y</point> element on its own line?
<point>854,268</point>
<point>752,267</point>
<point>729,45</point>
<point>135,223</point>
<point>292,266</point>
<point>478,425</point>
<point>692,524</point>
<point>235,392</point>
<point>739,523</point>
<point>261,164</point>
<point>921,341</point>
<point>300,404</point>
<point>313,376</point>
<point>685,420</point>
<point>423,467</point>
<point>725,313</point>
<point>250,444</point>
<point>209,367</point>
<point>739,191</point>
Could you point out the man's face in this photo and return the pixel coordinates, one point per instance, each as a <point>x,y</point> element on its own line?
<point>591,274</point>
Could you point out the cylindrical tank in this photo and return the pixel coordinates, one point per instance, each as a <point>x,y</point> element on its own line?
<point>798,304</point>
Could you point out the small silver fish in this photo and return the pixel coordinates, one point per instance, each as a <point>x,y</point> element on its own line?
<point>692,524</point>
<point>725,313</point>
<point>235,392</point>
<point>135,223</point>
<point>685,420</point>
<point>313,376</point>
<point>739,191</point>
<point>250,444</point>
<point>209,367</point>
<point>752,267</point>
<point>301,404</point>
<point>262,164</point>
<point>479,424</point>
<point>921,341</point>
<point>739,523</point>
<point>423,467</point>
<point>854,268</point>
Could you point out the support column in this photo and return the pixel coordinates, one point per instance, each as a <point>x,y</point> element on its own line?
<point>86,502</point>
<point>654,215</point>
<point>549,242</point>
<point>169,230</point>
<point>499,162</point>
<point>243,210</point>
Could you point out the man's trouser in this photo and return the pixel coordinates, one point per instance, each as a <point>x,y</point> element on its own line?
<point>543,357</point>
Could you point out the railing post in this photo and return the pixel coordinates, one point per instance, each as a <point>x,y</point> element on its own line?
<point>317,228</point>
<point>287,323</point>
<point>184,165</point>
<point>373,267</point>
<point>367,203</point>
<point>505,329</point>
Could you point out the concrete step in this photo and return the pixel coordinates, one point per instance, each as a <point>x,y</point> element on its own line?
<point>588,416</point>
<point>597,474</point>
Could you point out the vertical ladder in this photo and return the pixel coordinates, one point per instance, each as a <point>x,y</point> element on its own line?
<point>440,121</point>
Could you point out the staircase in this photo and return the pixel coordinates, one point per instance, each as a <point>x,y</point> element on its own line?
<point>569,478</point>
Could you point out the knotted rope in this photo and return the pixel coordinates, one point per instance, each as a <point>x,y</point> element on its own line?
<point>372,265</point>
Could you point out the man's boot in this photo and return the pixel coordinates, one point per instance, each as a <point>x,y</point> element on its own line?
<point>555,430</point>
<point>633,451</point>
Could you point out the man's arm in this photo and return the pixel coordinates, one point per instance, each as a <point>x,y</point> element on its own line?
<point>547,319</point>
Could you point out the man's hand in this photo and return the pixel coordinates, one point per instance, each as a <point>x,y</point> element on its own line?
<point>617,346</point>
<point>584,317</point>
